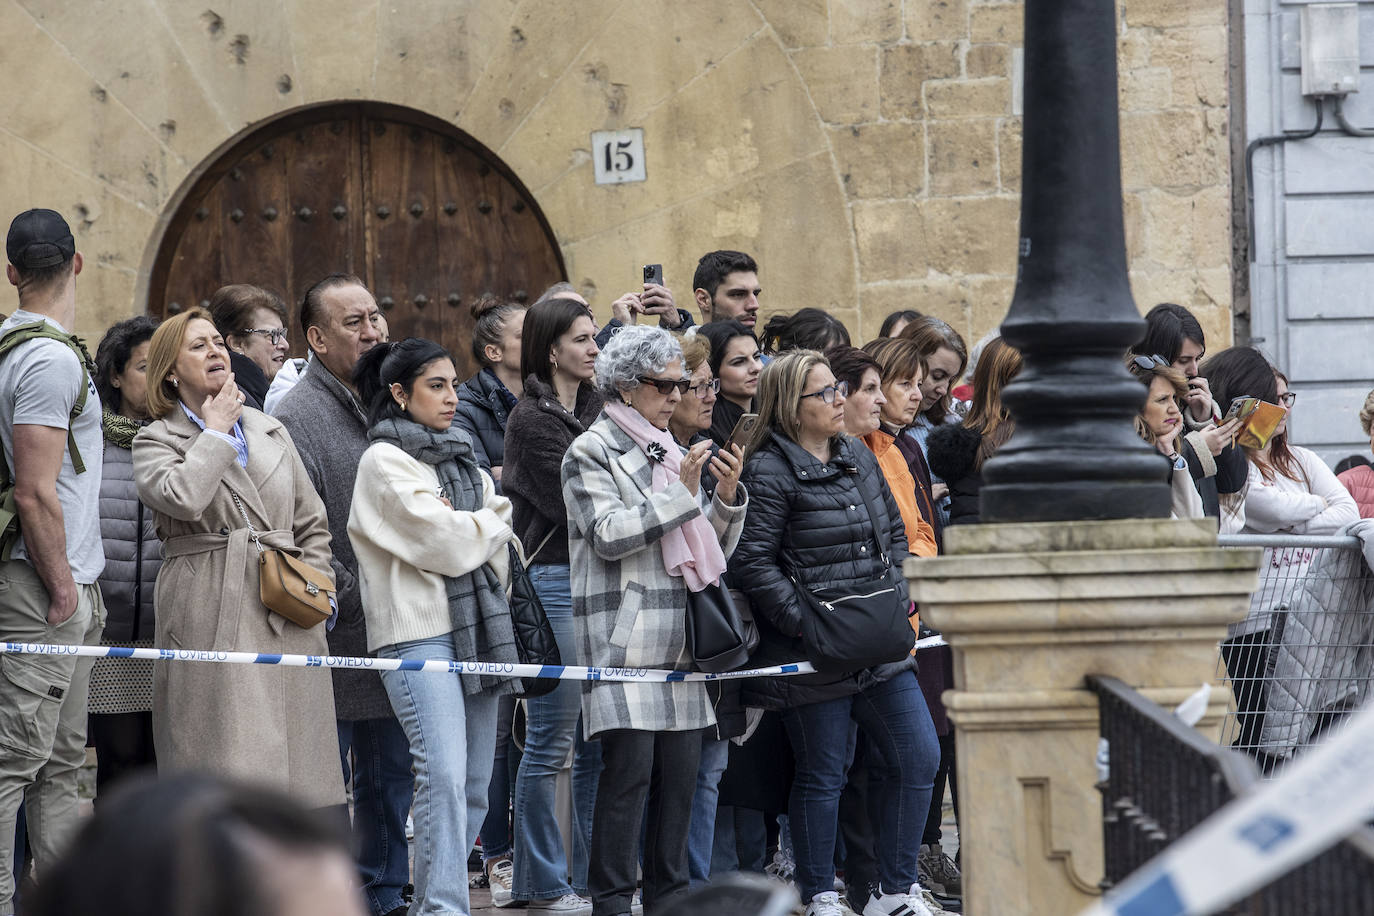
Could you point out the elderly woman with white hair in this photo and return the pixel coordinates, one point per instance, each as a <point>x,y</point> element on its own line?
<point>641,535</point>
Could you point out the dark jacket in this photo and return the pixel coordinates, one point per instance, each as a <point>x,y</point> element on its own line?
<point>538,433</point>
<point>133,553</point>
<point>329,430</point>
<point>250,379</point>
<point>920,471</point>
<point>952,451</point>
<point>808,527</point>
<point>723,420</point>
<point>483,406</point>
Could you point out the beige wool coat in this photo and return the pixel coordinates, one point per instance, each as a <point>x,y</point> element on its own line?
<point>265,724</point>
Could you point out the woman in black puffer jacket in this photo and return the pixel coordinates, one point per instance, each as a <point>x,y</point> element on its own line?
<point>486,399</point>
<point>809,527</point>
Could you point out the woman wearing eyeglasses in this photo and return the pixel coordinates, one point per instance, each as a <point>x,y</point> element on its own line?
<point>252,322</point>
<point>1290,490</point>
<point>643,532</point>
<point>823,516</point>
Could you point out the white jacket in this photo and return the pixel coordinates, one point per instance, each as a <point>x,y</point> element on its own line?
<point>407,541</point>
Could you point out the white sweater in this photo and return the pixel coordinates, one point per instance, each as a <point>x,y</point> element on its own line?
<point>1285,506</point>
<point>407,541</point>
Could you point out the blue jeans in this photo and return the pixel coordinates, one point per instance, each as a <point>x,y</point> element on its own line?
<point>701,836</point>
<point>382,788</point>
<point>496,833</point>
<point>451,737</point>
<point>552,732</point>
<point>894,717</point>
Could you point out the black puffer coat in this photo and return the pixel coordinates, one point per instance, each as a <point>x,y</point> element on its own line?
<point>482,413</point>
<point>808,521</point>
<point>952,451</point>
<point>133,553</point>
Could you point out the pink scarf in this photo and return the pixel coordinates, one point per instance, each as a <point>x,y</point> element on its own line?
<point>691,550</point>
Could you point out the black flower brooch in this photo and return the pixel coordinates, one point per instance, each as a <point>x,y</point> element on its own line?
<point>655,451</point>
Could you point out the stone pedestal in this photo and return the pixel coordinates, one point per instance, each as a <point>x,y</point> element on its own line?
<point>1030,610</point>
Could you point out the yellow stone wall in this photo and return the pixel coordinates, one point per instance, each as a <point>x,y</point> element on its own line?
<point>865,151</point>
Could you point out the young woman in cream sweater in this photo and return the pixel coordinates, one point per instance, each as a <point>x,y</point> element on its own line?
<point>430,535</point>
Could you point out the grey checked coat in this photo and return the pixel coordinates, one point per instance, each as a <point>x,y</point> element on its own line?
<point>627,611</point>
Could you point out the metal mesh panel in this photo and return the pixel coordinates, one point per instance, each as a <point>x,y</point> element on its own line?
<point>1303,658</point>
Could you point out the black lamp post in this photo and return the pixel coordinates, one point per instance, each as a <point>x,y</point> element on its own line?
<point>1075,454</point>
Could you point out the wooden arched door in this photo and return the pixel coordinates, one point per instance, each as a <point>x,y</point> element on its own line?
<point>428,217</point>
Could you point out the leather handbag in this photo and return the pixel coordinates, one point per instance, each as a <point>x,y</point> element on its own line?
<point>856,625</point>
<point>288,585</point>
<point>720,636</point>
<point>534,640</point>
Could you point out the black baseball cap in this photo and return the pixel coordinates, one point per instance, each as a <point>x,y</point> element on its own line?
<point>39,239</point>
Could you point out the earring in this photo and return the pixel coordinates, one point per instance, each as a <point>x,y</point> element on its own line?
<point>404,406</point>
<point>175,383</point>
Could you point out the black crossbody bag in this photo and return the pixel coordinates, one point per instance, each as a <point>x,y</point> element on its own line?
<point>858,625</point>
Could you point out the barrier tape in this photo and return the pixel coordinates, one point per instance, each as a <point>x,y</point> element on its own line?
<point>353,662</point>
<point>1320,798</point>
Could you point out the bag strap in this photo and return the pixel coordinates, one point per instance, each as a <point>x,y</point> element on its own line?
<point>35,330</point>
<point>530,559</point>
<point>883,550</point>
<point>252,532</point>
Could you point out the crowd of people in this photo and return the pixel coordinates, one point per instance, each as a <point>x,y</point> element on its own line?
<point>627,474</point>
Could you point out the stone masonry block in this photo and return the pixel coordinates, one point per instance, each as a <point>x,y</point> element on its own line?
<point>843,82</point>
<point>1198,60</point>
<point>864,21</point>
<point>987,60</point>
<point>1009,154</point>
<point>963,157</point>
<point>985,98</point>
<point>906,67</point>
<point>1187,231</point>
<point>1164,150</point>
<point>1146,89</point>
<point>938,295</point>
<point>881,160</point>
<point>971,235</point>
<point>1163,14</point>
<point>1002,23</point>
<point>891,237</point>
<point>798,23</point>
<point>943,20</point>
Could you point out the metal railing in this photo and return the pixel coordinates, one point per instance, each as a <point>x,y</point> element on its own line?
<point>1303,658</point>
<point>1163,778</point>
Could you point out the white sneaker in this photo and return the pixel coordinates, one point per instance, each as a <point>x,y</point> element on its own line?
<point>637,905</point>
<point>500,873</point>
<point>568,905</point>
<point>911,903</point>
<point>827,904</point>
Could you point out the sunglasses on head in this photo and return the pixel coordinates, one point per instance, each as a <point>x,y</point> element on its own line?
<point>1149,363</point>
<point>665,386</point>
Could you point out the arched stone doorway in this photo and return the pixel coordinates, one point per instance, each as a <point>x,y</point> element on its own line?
<point>427,216</point>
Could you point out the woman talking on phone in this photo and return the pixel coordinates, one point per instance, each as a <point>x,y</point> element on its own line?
<point>822,517</point>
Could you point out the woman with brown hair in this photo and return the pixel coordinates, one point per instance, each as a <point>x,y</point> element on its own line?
<point>206,468</point>
<point>252,322</point>
<point>958,451</point>
<point>945,356</point>
<point>1160,422</point>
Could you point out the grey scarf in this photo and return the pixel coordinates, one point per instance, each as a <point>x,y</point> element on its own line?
<point>482,628</point>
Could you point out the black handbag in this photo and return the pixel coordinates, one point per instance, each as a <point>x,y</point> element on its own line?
<point>857,625</point>
<point>720,634</point>
<point>534,640</point>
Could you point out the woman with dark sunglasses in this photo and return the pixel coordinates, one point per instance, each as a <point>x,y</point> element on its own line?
<point>822,516</point>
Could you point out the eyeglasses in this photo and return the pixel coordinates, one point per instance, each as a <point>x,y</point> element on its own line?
<point>705,388</point>
<point>1149,363</point>
<point>829,392</point>
<point>276,335</point>
<point>665,386</point>
<point>1287,398</point>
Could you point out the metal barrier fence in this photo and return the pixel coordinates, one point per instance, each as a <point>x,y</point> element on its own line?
<point>1163,778</point>
<point>1304,657</point>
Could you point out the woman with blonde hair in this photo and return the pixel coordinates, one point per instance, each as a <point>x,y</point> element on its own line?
<point>208,468</point>
<point>822,517</point>
<point>1160,423</point>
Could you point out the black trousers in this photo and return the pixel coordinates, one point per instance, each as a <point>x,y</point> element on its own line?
<point>123,744</point>
<point>638,765</point>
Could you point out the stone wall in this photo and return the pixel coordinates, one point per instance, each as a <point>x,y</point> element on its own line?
<point>866,151</point>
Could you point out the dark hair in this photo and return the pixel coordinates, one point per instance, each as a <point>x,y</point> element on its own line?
<point>850,363</point>
<point>182,845</point>
<point>545,322</point>
<point>1243,372</point>
<point>489,314</point>
<point>720,333</point>
<point>1351,461</point>
<point>232,308</point>
<point>42,278</point>
<point>901,315</point>
<point>1167,326</point>
<point>311,306</point>
<point>807,329</point>
<point>715,266</point>
<point>387,364</point>
<point>112,356</point>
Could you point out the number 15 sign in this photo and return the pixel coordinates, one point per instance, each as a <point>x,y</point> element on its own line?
<point>618,155</point>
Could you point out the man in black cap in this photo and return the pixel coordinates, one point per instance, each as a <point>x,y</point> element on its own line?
<point>52,446</point>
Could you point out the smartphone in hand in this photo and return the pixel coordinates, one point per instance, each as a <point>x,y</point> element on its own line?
<point>743,430</point>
